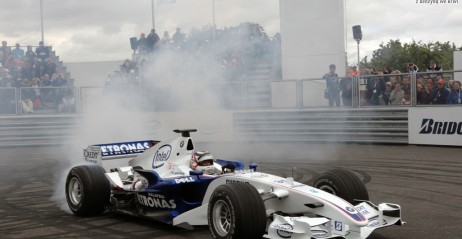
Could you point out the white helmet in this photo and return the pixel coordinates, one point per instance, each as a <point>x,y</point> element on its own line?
<point>203,161</point>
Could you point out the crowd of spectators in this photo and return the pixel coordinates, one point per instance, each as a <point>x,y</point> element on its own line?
<point>224,52</point>
<point>389,87</point>
<point>392,87</point>
<point>337,88</point>
<point>36,74</point>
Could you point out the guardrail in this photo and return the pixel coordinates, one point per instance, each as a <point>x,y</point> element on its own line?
<point>386,125</point>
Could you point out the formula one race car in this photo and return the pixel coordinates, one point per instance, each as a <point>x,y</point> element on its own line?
<point>172,182</point>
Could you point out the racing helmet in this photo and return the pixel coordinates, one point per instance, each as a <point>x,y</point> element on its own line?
<point>202,161</point>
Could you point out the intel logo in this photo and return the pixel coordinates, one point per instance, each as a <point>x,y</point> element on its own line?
<point>162,155</point>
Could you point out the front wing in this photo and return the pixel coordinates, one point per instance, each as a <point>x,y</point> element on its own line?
<point>383,215</point>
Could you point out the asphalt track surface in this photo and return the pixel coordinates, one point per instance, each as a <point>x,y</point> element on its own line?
<point>425,181</point>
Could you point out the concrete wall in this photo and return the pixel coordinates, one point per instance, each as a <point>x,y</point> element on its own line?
<point>91,73</point>
<point>312,37</point>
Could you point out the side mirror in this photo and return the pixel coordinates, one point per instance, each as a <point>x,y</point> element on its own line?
<point>253,167</point>
<point>228,168</point>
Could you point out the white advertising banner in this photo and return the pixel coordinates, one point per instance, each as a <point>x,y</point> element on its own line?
<point>435,126</point>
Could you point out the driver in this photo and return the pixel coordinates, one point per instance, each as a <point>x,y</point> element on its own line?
<point>203,161</point>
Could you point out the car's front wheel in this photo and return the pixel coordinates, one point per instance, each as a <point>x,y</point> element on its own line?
<point>87,190</point>
<point>343,183</point>
<point>236,210</point>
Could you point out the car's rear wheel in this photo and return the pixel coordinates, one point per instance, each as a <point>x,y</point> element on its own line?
<point>343,183</point>
<point>236,210</point>
<point>87,190</point>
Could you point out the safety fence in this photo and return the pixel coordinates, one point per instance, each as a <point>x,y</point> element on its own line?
<point>421,89</point>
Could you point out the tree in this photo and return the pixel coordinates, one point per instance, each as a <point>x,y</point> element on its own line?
<point>397,55</point>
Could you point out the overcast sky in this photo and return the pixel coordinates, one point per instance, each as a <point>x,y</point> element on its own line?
<point>99,30</point>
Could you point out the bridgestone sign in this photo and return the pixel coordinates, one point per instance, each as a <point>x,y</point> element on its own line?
<point>430,126</point>
<point>435,126</point>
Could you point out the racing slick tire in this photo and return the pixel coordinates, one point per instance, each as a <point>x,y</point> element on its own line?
<point>87,190</point>
<point>236,210</point>
<point>343,183</point>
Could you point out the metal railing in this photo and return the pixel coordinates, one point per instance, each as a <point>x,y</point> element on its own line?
<point>285,94</point>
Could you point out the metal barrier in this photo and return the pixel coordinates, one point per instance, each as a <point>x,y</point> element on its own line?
<point>357,92</point>
<point>367,125</point>
<point>8,101</point>
<point>47,100</point>
<point>38,100</point>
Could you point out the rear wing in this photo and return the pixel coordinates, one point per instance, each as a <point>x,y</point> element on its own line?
<point>97,153</point>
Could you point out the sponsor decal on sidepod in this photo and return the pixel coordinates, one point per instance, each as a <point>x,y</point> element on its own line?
<point>162,155</point>
<point>124,148</point>
<point>156,201</point>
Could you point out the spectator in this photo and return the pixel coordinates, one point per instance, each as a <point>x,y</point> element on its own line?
<point>46,81</point>
<point>370,71</point>
<point>67,103</point>
<point>30,55</point>
<point>38,102</point>
<point>451,85</point>
<point>127,66</point>
<point>426,97</point>
<point>406,87</point>
<point>387,70</point>
<point>431,85</point>
<point>38,68</point>
<point>59,81</point>
<point>455,96</point>
<point>412,68</point>
<point>420,79</point>
<point>153,40</point>
<point>49,68</point>
<point>440,94</point>
<point>375,89</point>
<point>333,86</point>
<point>5,52</point>
<point>433,67</point>
<point>178,38</point>
<point>4,72</point>
<point>419,93</point>
<point>17,52</point>
<point>353,71</point>
<point>166,40</point>
<point>387,93</point>
<point>394,78</point>
<point>396,95</point>
<point>143,44</point>
<point>27,105</point>
<point>406,99</point>
<point>346,87</point>
<point>27,96</point>
<point>42,52</point>
<point>10,63</point>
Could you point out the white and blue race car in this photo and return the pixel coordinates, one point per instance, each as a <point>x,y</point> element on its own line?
<point>161,180</point>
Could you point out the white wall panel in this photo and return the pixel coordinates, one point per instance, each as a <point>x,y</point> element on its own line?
<point>312,37</point>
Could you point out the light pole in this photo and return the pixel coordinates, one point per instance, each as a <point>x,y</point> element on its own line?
<point>152,14</point>
<point>41,20</point>
<point>357,35</point>
<point>213,20</point>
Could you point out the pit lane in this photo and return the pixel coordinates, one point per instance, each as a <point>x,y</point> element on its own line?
<point>424,180</point>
